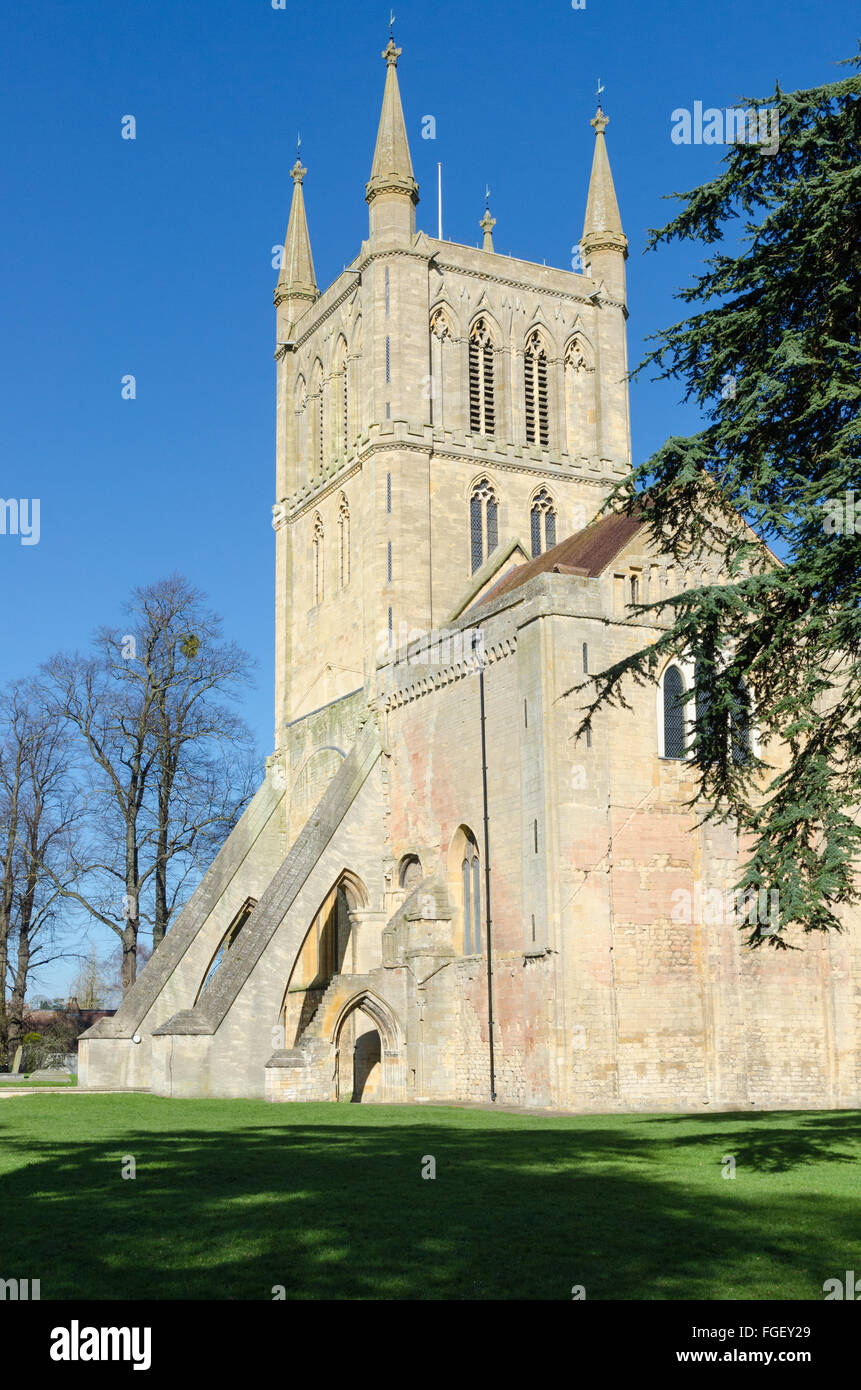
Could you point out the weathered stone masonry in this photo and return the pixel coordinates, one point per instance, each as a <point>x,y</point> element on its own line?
<point>449,421</point>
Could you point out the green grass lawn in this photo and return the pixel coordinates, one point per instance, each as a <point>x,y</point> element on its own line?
<point>234,1197</point>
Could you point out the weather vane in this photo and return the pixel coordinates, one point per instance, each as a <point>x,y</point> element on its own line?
<point>486,196</point>
<point>298,144</point>
<point>392,17</point>
<point>599,91</point>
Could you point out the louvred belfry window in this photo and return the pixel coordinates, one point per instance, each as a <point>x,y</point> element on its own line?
<point>483,523</point>
<point>481,413</point>
<point>535,392</point>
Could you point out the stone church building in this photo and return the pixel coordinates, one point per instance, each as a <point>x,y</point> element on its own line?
<point>438,876</point>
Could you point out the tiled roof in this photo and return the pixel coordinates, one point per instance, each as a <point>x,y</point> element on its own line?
<point>586,553</point>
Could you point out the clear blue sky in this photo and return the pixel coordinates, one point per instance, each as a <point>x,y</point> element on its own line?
<point>153,256</point>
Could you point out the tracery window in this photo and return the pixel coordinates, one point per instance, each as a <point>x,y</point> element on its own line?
<point>580,405</point>
<point>440,349</point>
<point>481,404</point>
<point>535,392</point>
<point>471,871</point>
<point>483,523</point>
<point>543,522</point>
<point>439,324</point>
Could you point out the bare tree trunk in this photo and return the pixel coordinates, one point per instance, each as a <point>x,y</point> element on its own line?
<point>11,762</point>
<point>19,990</point>
<point>4,1017</point>
<point>129,972</point>
<point>161,910</point>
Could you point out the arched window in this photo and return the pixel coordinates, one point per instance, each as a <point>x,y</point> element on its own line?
<point>543,522</point>
<point>535,392</point>
<point>483,523</point>
<point>674,713</point>
<point>300,407</point>
<point>441,338</point>
<point>580,418</point>
<point>739,714</point>
<point>317,560</point>
<point>481,413</point>
<point>318,417</point>
<point>343,398</point>
<point>334,935</point>
<point>410,872</point>
<point>702,684</point>
<point>471,872</point>
<point>740,723</point>
<point>344,540</point>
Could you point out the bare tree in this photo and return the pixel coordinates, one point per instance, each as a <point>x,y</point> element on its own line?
<point>39,813</point>
<point>198,737</point>
<point>167,762</point>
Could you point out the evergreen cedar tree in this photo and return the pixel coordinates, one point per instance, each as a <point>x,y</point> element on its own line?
<point>771,357</point>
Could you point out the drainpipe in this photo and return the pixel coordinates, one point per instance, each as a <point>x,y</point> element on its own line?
<point>478,642</point>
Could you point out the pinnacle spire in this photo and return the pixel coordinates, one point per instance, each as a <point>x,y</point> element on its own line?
<point>392,170</point>
<point>602,210</point>
<point>487,223</point>
<point>296,279</point>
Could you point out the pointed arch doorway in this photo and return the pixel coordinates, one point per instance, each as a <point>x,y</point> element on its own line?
<point>368,1052</point>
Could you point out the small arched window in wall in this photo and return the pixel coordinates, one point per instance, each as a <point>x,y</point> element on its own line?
<point>483,523</point>
<point>543,522</point>
<point>481,403</point>
<point>535,392</point>
<point>317,560</point>
<point>674,713</point>
<point>410,872</point>
<point>471,875</point>
<point>344,541</point>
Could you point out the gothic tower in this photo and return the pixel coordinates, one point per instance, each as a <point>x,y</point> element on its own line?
<point>443,412</point>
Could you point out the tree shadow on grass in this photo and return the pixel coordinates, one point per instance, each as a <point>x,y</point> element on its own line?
<point>778,1141</point>
<point>340,1210</point>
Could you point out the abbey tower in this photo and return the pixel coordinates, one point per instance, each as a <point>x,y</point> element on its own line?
<point>436,405</point>
<point>448,887</point>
